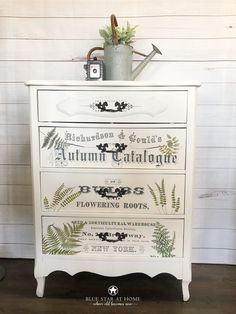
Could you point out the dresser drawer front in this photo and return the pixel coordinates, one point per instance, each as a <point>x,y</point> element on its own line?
<point>112,106</point>
<point>86,237</point>
<point>112,147</point>
<point>109,192</point>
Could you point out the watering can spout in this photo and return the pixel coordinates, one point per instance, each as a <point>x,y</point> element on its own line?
<point>141,66</point>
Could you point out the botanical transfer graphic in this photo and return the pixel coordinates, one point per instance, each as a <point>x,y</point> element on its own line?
<point>159,197</point>
<point>62,241</point>
<point>164,244</point>
<point>52,139</point>
<point>61,198</point>
<point>171,147</point>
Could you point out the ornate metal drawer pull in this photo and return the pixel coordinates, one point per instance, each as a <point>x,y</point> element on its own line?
<point>104,192</point>
<point>104,236</point>
<point>104,148</point>
<point>102,106</point>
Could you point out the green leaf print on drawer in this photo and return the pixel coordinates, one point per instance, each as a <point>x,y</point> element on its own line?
<point>161,200</point>
<point>164,244</point>
<point>61,198</point>
<point>171,147</point>
<point>62,241</point>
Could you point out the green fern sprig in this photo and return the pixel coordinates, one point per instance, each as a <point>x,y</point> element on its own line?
<point>162,192</point>
<point>61,198</point>
<point>46,203</point>
<point>51,241</point>
<point>172,146</point>
<point>160,198</point>
<point>62,241</point>
<point>171,246</point>
<point>58,191</point>
<point>173,197</point>
<point>177,207</point>
<point>175,202</point>
<point>154,196</point>
<point>164,244</point>
<point>70,199</point>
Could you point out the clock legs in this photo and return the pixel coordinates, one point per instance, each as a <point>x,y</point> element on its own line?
<point>185,289</point>
<point>40,286</point>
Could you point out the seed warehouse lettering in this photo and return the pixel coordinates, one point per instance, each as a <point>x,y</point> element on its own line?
<point>116,223</point>
<point>143,158</point>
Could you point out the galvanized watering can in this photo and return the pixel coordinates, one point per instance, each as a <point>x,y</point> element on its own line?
<point>118,58</point>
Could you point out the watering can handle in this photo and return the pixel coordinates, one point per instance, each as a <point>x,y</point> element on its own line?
<point>92,50</point>
<point>114,34</point>
<point>113,28</point>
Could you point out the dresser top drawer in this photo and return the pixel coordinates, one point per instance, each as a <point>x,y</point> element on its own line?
<point>146,105</point>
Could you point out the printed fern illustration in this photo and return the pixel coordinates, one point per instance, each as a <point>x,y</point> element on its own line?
<point>164,244</point>
<point>162,193</point>
<point>160,198</point>
<point>61,198</point>
<point>62,241</point>
<point>154,195</point>
<point>172,146</point>
<point>175,201</point>
<point>53,140</point>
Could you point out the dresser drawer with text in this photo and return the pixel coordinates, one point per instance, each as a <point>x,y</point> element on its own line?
<point>113,147</point>
<point>112,106</point>
<point>112,192</point>
<point>115,237</point>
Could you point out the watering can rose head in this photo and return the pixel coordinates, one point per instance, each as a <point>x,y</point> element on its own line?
<point>125,35</point>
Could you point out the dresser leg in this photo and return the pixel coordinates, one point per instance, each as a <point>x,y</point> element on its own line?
<point>185,289</point>
<point>40,286</point>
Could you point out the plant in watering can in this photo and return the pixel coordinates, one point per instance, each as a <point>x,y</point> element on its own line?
<point>118,51</point>
<point>124,35</point>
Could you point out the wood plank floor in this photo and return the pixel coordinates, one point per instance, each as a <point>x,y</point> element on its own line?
<point>213,291</point>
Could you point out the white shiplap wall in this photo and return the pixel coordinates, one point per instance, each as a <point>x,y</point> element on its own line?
<point>49,40</point>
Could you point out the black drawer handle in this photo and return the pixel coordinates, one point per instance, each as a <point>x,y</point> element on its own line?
<point>120,106</point>
<point>104,148</point>
<point>104,236</point>
<point>104,192</point>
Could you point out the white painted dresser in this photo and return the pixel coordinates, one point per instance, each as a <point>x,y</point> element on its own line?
<point>112,167</point>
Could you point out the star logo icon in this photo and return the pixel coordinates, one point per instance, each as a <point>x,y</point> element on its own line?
<point>113,290</point>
